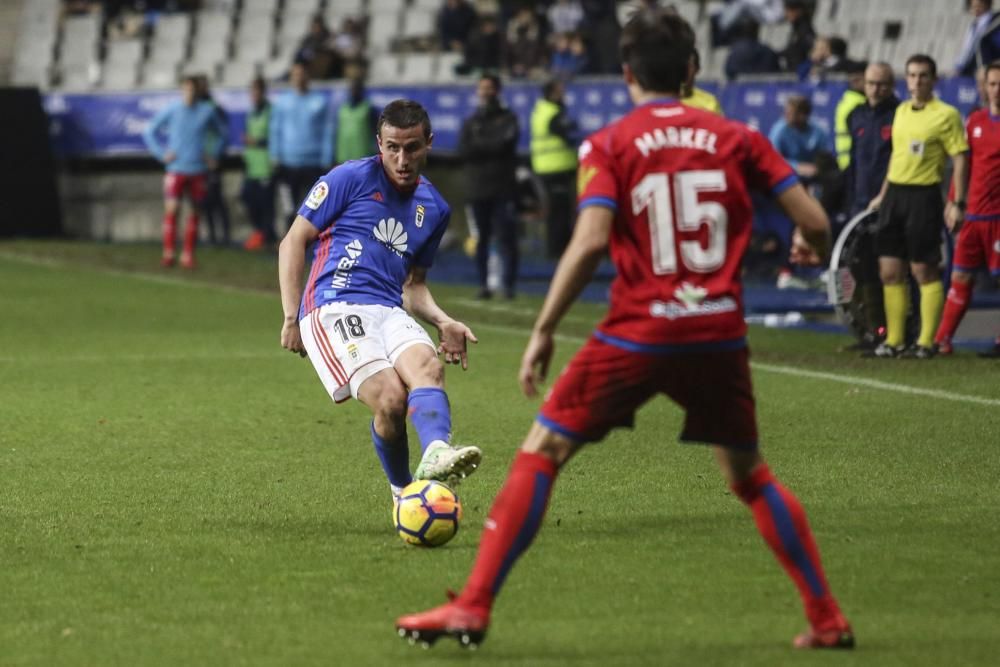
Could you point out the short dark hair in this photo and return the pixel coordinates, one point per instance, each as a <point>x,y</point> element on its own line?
<point>658,46</point>
<point>800,103</point>
<point>994,65</point>
<point>404,114</point>
<point>856,66</point>
<point>922,59</point>
<point>492,78</point>
<point>259,82</point>
<point>838,46</point>
<point>550,86</point>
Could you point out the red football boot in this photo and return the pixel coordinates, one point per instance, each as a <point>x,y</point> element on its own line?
<point>839,637</point>
<point>465,624</point>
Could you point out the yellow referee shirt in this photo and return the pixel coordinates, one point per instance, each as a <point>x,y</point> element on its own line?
<point>922,140</point>
<point>702,99</point>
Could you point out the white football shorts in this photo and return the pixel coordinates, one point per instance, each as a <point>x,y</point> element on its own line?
<point>349,343</point>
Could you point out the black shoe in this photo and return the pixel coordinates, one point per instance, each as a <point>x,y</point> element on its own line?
<point>920,352</point>
<point>990,353</point>
<point>484,294</point>
<point>883,351</point>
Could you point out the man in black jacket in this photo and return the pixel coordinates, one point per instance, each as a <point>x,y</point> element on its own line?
<point>488,145</point>
<point>870,125</point>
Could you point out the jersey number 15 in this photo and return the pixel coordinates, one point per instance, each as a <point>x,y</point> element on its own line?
<point>653,193</point>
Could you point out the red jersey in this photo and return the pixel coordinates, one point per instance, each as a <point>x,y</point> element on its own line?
<point>678,179</point>
<point>983,134</point>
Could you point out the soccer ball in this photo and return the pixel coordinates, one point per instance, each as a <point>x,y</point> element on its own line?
<point>427,513</point>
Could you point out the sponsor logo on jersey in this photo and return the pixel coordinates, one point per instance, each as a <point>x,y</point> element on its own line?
<point>352,350</point>
<point>691,302</point>
<point>342,274</point>
<point>391,234</point>
<point>996,247</point>
<point>886,132</point>
<point>317,195</point>
<point>676,137</point>
<point>419,221</point>
<point>585,148</point>
<point>977,132</point>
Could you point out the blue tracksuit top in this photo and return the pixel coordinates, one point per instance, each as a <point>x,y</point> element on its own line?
<point>188,130</point>
<point>302,127</point>
<point>871,146</point>
<point>799,145</point>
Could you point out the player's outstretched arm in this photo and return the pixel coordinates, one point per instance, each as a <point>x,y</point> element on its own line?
<point>575,269</point>
<point>291,265</point>
<point>452,334</point>
<point>811,241</point>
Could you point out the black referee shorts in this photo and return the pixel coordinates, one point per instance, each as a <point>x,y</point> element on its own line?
<point>909,223</point>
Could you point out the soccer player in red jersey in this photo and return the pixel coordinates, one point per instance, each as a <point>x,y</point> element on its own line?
<point>666,190</point>
<point>978,222</point>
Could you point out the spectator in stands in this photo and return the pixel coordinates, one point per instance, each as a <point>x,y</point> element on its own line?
<point>357,124</point>
<point>828,54</point>
<point>801,36</point>
<point>483,51</point>
<point>601,30</point>
<point>965,65</point>
<point>694,96</point>
<point>798,138</point>
<point>925,132</point>
<point>215,207</point>
<point>805,145</point>
<point>455,22</point>
<point>526,53</point>
<point>553,158</point>
<point>853,97</point>
<point>569,57</point>
<point>565,16</point>
<point>257,192</point>
<point>301,136</point>
<point>488,146</point>
<point>187,124</point>
<point>726,22</point>
<point>988,50</point>
<point>748,55</point>
<point>349,43</point>
<point>316,51</point>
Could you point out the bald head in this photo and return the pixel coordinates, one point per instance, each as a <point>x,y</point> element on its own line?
<point>879,83</point>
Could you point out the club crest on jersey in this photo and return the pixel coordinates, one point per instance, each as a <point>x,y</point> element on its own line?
<point>352,350</point>
<point>977,132</point>
<point>391,234</point>
<point>419,221</point>
<point>917,147</point>
<point>317,195</point>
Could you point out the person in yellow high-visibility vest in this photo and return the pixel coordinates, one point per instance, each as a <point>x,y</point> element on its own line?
<point>553,159</point>
<point>853,97</point>
<point>693,96</point>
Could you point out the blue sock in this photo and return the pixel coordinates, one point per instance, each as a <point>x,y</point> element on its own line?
<point>395,458</point>
<point>430,414</point>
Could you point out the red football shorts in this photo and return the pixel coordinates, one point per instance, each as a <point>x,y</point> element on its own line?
<point>174,186</point>
<point>604,385</point>
<point>978,245</point>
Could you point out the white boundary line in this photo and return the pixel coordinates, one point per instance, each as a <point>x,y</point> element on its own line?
<point>757,366</point>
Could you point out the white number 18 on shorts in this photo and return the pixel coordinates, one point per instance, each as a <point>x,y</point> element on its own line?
<point>348,343</point>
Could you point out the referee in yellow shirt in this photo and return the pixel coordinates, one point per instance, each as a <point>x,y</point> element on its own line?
<point>694,96</point>
<point>925,132</point>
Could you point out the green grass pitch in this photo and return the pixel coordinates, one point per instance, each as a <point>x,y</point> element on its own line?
<point>175,489</point>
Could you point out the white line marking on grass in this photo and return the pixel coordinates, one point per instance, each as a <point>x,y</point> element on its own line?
<point>876,384</point>
<point>521,331</point>
<point>514,310</point>
<point>141,358</point>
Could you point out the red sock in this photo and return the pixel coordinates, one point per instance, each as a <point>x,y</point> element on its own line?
<point>169,233</point>
<point>783,525</point>
<point>513,521</point>
<point>190,234</point>
<point>954,310</point>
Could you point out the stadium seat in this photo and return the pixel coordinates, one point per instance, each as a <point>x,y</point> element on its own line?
<point>384,68</point>
<point>237,73</point>
<point>123,52</point>
<point>446,67</point>
<point>120,76</point>
<point>378,7</point>
<point>419,24</point>
<point>159,76</point>
<point>418,68</point>
<point>259,7</point>
<point>302,6</point>
<point>429,5</point>
<point>383,30</point>
<point>337,11</point>
<point>214,25</point>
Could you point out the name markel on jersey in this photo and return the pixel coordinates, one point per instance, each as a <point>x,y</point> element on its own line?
<point>676,137</point>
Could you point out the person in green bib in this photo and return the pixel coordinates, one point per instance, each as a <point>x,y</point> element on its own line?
<point>257,192</point>
<point>357,120</point>
<point>553,158</point>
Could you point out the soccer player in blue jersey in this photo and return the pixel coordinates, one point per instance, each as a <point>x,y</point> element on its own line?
<point>375,225</point>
